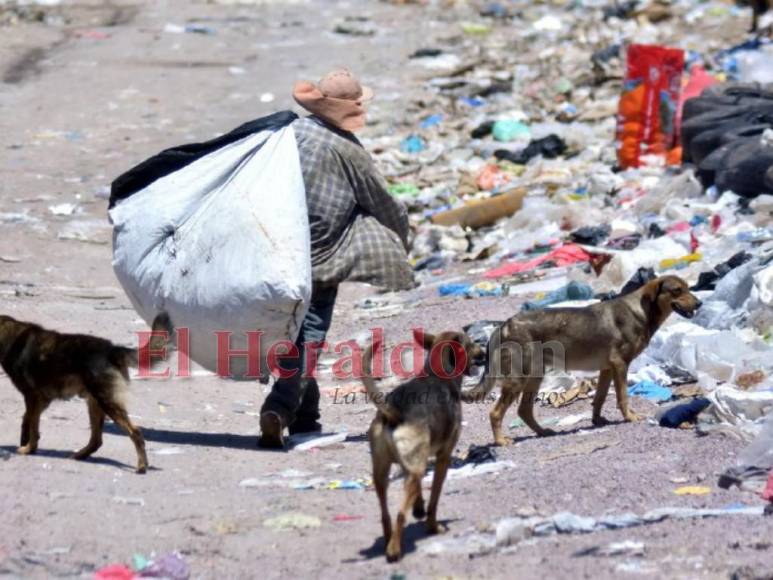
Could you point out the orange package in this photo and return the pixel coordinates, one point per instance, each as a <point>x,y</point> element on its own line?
<point>646,119</point>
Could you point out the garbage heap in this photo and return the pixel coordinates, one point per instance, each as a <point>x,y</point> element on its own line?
<point>570,150</point>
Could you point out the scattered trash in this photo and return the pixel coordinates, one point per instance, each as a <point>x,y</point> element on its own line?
<point>308,442</point>
<point>471,290</point>
<point>473,470</point>
<point>134,501</point>
<point>477,454</point>
<point>293,521</point>
<point>692,490</point>
<point>510,131</point>
<point>650,390</point>
<point>570,292</point>
<point>648,106</point>
<point>63,209</point>
<point>346,518</point>
<point>512,531</point>
<point>189,28</point>
<point>348,484</point>
<point>591,235</point>
<point>168,451</point>
<point>115,572</point>
<point>89,231</point>
<point>355,26</point>
<point>548,147</point>
<point>170,566</point>
<point>564,255</point>
<point>625,548</point>
<point>413,144</point>
<point>684,413</point>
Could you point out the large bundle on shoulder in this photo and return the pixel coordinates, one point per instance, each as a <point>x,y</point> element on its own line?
<point>216,234</point>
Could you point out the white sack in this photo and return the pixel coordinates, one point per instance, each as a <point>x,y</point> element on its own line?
<point>221,245</point>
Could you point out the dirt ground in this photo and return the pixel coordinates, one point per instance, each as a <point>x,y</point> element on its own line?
<point>100,87</point>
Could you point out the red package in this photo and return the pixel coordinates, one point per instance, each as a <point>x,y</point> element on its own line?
<point>698,81</point>
<point>768,493</point>
<point>646,120</point>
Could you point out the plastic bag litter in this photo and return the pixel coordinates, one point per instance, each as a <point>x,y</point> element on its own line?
<point>537,211</point>
<point>759,453</point>
<point>509,531</point>
<point>650,390</point>
<point>743,410</point>
<point>732,302</point>
<point>722,355</point>
<point>679,187</point>
<point>221,245</point>
<point>624,265</point>
<point>763,283</point>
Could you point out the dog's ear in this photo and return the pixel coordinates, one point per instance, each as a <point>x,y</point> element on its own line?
<point>423,339</point>
<point>652,290</point>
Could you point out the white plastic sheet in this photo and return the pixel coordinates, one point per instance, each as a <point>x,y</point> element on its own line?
<point>221,245</point>
<point>745,410</point>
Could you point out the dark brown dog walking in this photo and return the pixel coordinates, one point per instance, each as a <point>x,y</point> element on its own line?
<point>419,419</point>
<point>45,365</point>
<point>603,337</point>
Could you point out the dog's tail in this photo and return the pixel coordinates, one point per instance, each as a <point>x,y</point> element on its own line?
<point>375,394</point>
<point>161,333</point>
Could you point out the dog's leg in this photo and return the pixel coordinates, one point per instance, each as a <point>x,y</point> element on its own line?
<point>118,414</point>
<point>526,407</point>
<point>381,483</point>
<point>619,375</point>
<point>605,378</point>
<point>35,410</point>
<point>412,490</point>
<point>25,422</point>
<point>441,469</point>
<point>97,420</point>
<point>509,394</point>
<point>419,512</point>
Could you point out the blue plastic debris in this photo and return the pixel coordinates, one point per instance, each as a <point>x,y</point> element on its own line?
<point>472,101</point>
<point>431,121</point>
<point>413,144</point>
<point>572,291</point>
<point>469,290</point>
<point>650,390</point>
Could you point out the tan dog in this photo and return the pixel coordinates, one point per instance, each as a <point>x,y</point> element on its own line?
<point>419,419</point>
<point>603,337</point>
<point>45,365</point>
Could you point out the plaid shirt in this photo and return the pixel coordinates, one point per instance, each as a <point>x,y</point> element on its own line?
<point>358,231</point>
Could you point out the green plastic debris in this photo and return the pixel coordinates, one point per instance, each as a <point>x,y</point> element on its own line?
<point>475,28</point>
<point>139,562</point>
<point>293,521</point>
<point>509,130</point>
<point>403,190</point>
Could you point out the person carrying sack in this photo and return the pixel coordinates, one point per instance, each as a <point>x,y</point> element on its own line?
<point>358,233</point>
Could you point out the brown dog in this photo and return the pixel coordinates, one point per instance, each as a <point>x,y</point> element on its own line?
<point>603,337</point>
<point>419,419</point>
<point>45,365</point>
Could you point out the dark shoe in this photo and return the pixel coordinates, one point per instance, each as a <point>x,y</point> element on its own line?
<point>271,427</point>
<point>301,426</point>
